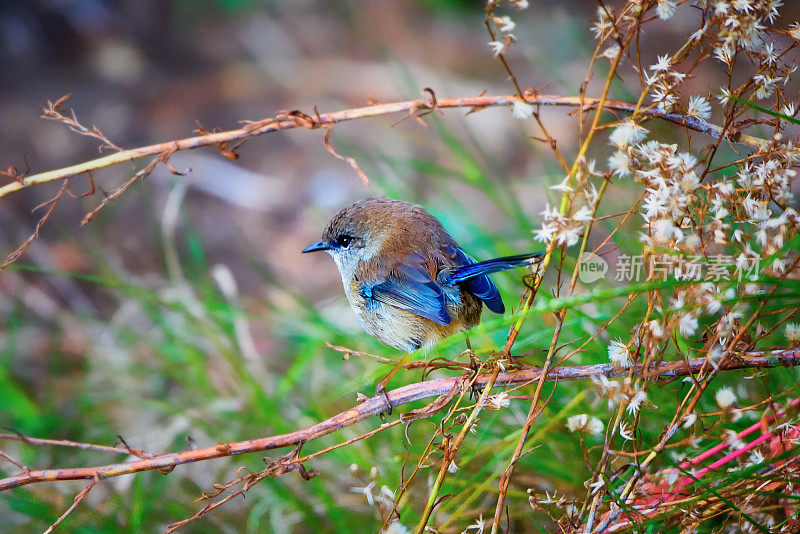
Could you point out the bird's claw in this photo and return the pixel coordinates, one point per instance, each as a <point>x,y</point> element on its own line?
<point>380,389</point>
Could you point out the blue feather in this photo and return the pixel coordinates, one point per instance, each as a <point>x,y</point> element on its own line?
<point>412,289</point>
<point>475,275</point>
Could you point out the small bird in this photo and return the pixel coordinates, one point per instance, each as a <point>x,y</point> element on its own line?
<point>407,280</point>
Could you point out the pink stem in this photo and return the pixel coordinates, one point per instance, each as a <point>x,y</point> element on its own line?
<point>720,446</point>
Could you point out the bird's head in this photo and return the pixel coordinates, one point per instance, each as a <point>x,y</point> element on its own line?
<point>355,233</point>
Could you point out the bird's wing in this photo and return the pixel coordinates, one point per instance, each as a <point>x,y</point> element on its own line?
<point>480,285</point>
<point>410,287</point>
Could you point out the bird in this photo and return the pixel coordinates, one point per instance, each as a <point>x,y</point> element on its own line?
<point>407,280</point>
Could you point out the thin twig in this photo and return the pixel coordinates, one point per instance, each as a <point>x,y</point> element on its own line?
<point>75,502</point>
<point>375,405</point>
<point>287,121</point>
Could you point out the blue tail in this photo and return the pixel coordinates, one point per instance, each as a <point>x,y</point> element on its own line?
<point>474,274</point>
<point>482,268</point>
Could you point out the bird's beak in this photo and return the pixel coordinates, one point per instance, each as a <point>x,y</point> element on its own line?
<point>319,245</point>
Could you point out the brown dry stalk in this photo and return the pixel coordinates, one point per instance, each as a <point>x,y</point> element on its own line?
<point>375,405</point>
<point>229,140</point>
<point>75,502</point>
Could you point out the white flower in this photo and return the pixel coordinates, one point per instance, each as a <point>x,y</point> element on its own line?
<point>724,54</point>
<point>478,526</point>
<point>690,420</point>
<point>569,236</point>
<point>793,333</point>
<point>687,325</point>
<point>522,110</point>
<point>664,230</point>
<point>724,96</point>
<point>583,215</point>
<point>769,54</point>
<point>789,110</point>
<point>624,432</point>
<point>665,99</point>
<point>386,495</point>
<point>656,330</point>
<point>636,401</point>
<point>665,9</point>
<point>497,47</point>
<point>584,424</point>
<point>519,4</point>
<point>743,6</point>
<point>619,354</point>
<point>611,52</point>
<point>453,467</point>
<point>662,65</point>
<point>498,401</point>
<point>627,133</point>
<point>546,233</point>
<point>725,398</point>
<point>548,499</point>
<point>505,24</point>
<point>367,491</point>
<point>562,186</point>
<point>699,108</point>
<point>620,163</point>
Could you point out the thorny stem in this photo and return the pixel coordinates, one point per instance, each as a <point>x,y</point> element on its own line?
<point>289,121</point>
<point>373,406</point>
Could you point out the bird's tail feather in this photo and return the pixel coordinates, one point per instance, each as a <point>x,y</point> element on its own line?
<point>492,266</point>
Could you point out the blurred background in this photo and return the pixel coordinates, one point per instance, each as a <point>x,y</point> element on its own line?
<point>184,313</point>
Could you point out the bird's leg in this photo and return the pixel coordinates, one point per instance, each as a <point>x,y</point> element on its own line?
<point>380,389</point>
<point>474,364</point>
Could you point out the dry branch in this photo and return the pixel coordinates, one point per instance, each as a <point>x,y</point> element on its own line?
<point>229,140</point>
<point>375,405</point>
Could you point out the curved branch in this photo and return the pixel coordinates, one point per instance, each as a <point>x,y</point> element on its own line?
<point>295,119</point>
<point>375,405</point>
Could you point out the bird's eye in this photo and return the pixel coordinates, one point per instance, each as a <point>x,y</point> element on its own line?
<point>344,241</point>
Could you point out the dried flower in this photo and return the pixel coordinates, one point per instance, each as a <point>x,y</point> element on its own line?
<point>478,526</point>
<point>635,403</point>
<point>662,65</point>
<point>665,9</point>
<point>699,108</point>
<point>624,432</point>
<point>687,325</point>
<point>367,491</point>
<point>793,333</point>
<point>627,133</point>
<point>497,47</point>
<point>619,354</point>
<point>725,398</point>
<point>611,52</point>
<point>690,420</point>
<point>499,401</point>
<point>522,110</point>
<point>584,424</point>
<point>505,24</point>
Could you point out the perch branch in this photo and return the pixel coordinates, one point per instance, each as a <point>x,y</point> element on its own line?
<point>294,119</point>
<point>375,405</point>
